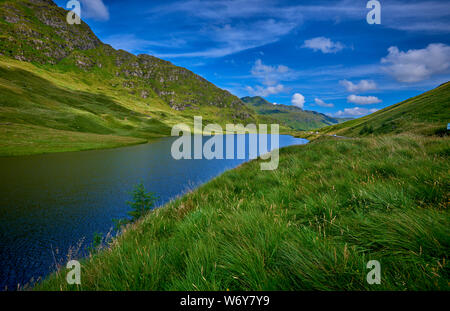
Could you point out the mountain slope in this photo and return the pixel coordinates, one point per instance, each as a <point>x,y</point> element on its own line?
<point>60,77</point>
<point>296,118</point>
<point>427,114</point>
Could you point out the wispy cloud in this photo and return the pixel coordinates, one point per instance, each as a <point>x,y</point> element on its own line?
<point>94,9</point>
<point>321,103</point>
<point>352,112</point>
<point>133,44</point>
<point>270,76</point>
<point>363,100</point>
<point>265,91</point>
<point>325,45</point>
<point>229,39</point>
<point>423,16</point>
<point>218,10</point>
<point>417,16</point>
<point>361,86</point>
<point>343,72</point>
<point>233,26</point>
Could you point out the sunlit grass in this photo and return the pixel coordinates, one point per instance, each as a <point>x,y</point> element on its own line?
<point>19,139</point>
<point>312,224</point>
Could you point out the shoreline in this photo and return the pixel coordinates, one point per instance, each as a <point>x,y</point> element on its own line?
<point>75,150</point>
<point>135,226</point>
<point>227,214</point>
<point>92,147</point>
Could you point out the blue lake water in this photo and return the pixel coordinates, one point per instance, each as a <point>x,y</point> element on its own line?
<point>49,203</point>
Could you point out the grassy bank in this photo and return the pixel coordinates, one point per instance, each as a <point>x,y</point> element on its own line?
<point>314,223</point>
<point>17,140</point>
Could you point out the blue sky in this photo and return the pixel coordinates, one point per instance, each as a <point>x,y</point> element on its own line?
<point>318,55</point>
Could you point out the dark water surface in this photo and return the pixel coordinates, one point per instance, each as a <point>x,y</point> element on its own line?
<point>49,203</point>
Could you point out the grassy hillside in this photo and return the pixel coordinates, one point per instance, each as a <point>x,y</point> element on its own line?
<point>60,79</point>
<point>426,114</point>
<point>312,224</point>
<point>295,118</point>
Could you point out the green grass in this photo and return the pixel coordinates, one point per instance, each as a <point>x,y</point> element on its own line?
<point>43,111</point>
<point>17,140</point>
<point>313,224</point>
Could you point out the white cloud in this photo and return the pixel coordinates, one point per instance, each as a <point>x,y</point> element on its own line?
<point>95,9</point>
<point>298,100</point>
<point>325,45</point>
<point>321,103</point>
<point>265,91</point>
<point>270,75</point>
<point>417,65</point>
<point>363,100</point>
<point>352,112</point>
<point>361,86</point>
<point>274,104</point>
<point>133,44</point>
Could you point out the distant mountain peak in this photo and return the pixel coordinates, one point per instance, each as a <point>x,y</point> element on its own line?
<point>291,116</point>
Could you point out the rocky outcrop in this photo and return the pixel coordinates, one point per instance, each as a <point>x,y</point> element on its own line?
<point>37,31</point>
<point>24,35</point>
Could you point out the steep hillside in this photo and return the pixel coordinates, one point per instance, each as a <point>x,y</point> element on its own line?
<point>60,77</point>
<point>313,224</point>
<point>426,114</point>
<point>296,118</point>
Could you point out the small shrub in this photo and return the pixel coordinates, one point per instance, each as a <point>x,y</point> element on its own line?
<point>142,203</point>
